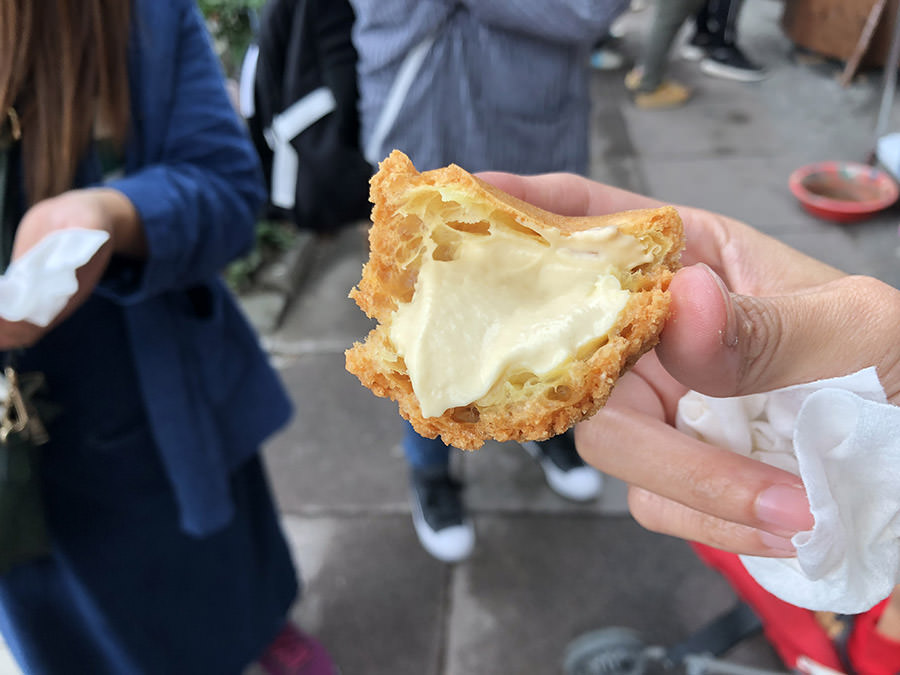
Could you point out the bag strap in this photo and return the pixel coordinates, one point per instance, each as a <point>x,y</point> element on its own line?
<point>409,69</point>
<point>285,127</point>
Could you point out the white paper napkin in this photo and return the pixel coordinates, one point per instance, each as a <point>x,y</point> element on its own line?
<point>37,286</point>
<point>842,438</point>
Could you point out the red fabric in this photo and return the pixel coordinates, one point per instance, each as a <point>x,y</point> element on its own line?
<point>794,632</point>
<point>791,630</point>
<point>871,654</point>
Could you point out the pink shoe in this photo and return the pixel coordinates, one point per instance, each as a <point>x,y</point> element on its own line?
<point>295,653</point>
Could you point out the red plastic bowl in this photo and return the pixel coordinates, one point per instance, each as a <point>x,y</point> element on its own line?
<point>843,191</point>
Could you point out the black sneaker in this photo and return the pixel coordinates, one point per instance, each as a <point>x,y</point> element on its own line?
<point>565,471</point>
<point>730,63</point>
<point>439,515</point>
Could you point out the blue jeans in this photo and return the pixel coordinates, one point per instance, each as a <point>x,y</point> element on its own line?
<point>424,453</point>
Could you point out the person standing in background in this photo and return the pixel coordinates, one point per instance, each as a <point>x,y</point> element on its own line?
<point>713,43</point>
<point>485,84</point>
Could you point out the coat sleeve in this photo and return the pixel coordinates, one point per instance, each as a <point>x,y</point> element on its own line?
<point>568,21</point>
<point>191,170</point>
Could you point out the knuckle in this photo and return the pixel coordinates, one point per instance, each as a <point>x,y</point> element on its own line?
<point>708,490</point>
<point>647,509</point>
<point>733,537</point>
<point>875,297</point>
<point>876,315</point>
<point>591,440</point>
<point>656,514</point>
<point>760,331</point>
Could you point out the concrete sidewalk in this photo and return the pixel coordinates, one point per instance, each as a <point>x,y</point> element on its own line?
<point>545,570</point>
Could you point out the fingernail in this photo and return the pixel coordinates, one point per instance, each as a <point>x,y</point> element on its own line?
<point>775,543</point>
<point>729,332</point>
<point>786,507</point>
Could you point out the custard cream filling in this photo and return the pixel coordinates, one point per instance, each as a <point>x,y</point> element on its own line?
<point>508,300</point>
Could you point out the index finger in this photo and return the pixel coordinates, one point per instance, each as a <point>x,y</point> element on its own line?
<point>568,194</point>
<point>751,263</point>
<point>649,454</point>
<point>572,195</point>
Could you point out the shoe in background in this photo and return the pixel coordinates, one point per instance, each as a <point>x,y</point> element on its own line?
<point>565,471</point>
<point>605,58</point>
<point>439,514</point>
<point>730,63</point>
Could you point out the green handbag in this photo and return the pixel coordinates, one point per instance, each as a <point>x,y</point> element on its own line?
<point>23,526</point>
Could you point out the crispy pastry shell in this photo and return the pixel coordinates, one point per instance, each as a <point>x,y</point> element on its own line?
<point>532,410</point>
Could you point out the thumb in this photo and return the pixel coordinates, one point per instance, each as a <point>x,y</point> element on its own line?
<point>724,344</point>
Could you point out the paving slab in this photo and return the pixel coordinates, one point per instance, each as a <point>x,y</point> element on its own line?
<point>382,605</point>
<point>537,582</point>
<point>751,189</point>
<point>373,597</point>
<point>322,314</point>
<point>363,434</point>
<point>340,452</point>
<point>726,119</point>
<point>503,478</point>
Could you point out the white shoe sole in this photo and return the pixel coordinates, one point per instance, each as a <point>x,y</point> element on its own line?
<point>716,69</point>
<point>452,544</point>
<point>691,53</point>
<point>581,484</point>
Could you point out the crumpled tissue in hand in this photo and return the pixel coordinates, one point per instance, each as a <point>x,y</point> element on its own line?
<point>842,438</point>
<point>37,286</point>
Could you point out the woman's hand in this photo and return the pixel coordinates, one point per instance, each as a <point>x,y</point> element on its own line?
<point>92,209</point>
<point>749,314</point>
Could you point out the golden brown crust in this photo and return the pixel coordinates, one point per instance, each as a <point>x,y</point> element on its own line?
<point>536,410</point>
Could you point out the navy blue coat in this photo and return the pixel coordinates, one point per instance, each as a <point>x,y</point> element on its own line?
<point>194,177</point>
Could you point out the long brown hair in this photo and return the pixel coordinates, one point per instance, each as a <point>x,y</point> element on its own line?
<point>64,69</point>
